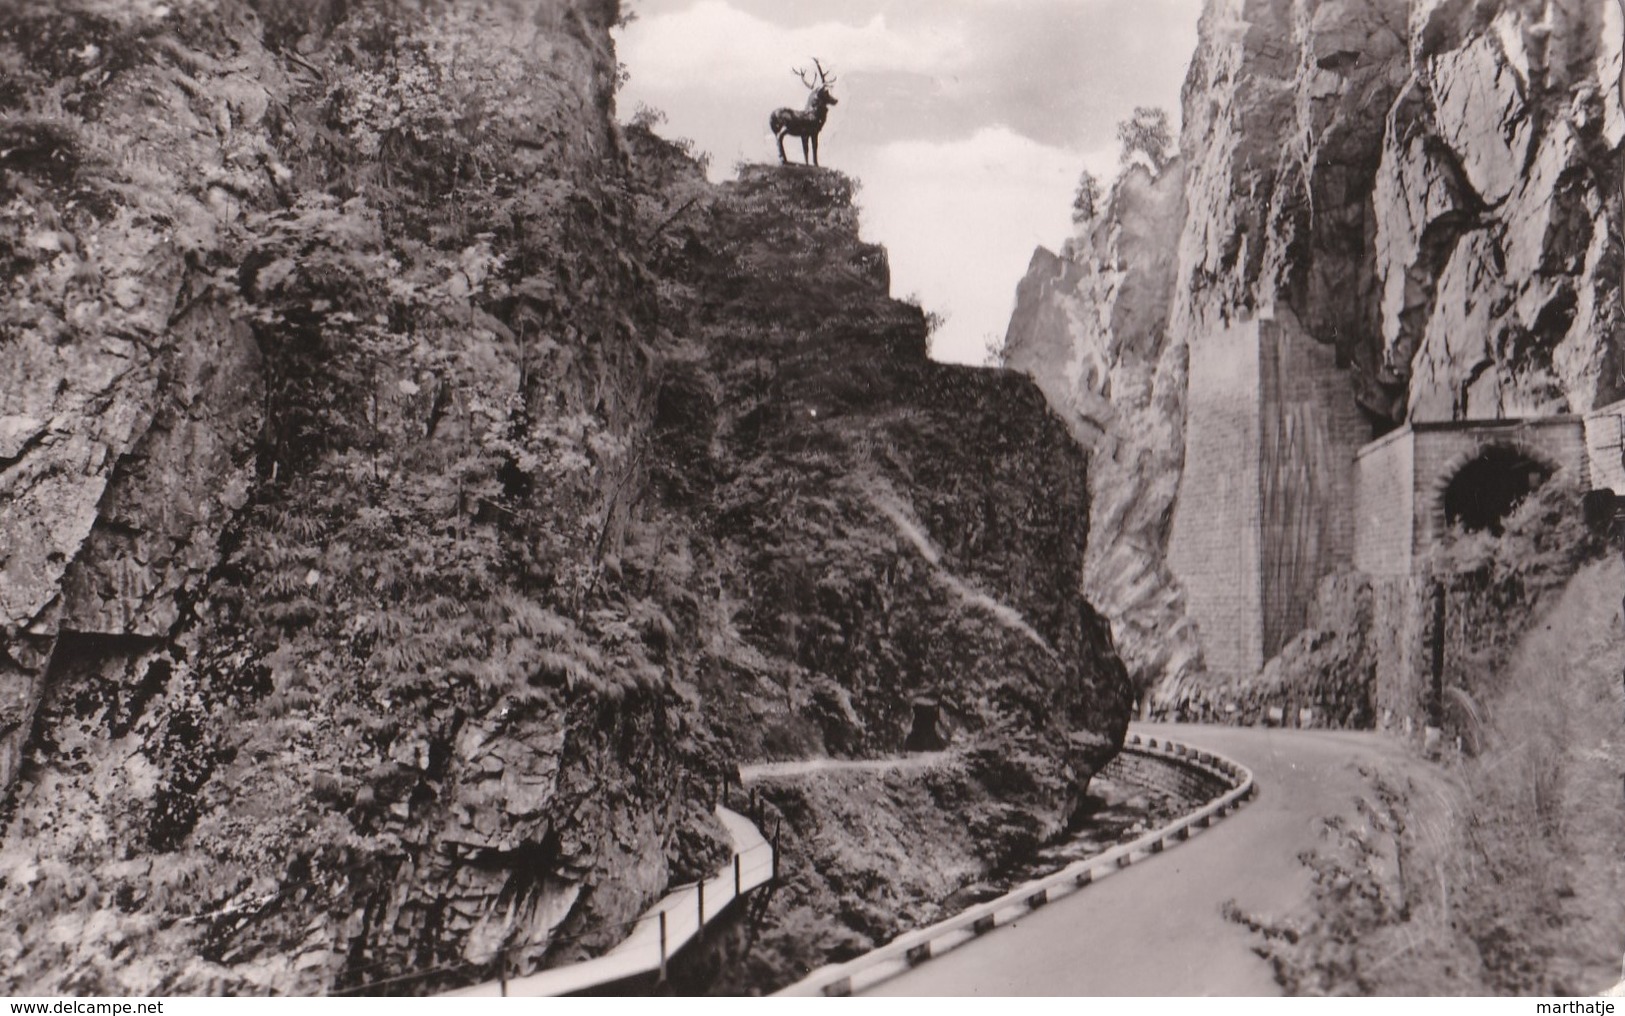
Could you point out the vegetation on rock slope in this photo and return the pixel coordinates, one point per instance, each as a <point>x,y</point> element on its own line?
<point>413,514</point>
<point>1504,876</point>
<point>399,719</point>
<point>898,542</point>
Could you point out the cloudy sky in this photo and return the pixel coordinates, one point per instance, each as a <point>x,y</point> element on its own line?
<point>966,121</point>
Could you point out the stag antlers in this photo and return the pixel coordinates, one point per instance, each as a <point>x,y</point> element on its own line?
<point>825,79</point>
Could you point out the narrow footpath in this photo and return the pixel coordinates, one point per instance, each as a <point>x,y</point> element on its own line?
<point>759,771</point>
<point>1157,928</point>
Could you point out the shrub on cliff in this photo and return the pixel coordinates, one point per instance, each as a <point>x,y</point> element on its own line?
<point>1497,584</point>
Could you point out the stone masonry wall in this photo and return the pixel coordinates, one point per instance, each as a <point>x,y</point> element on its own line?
<point>1401,479</point>
<point>1312,429</point>
<point>1605,448</point>
<point>1385,488</point>
<point>1148,773</point>
<point>1441,451</point>
<point>1264,512</point>
<point>1214,547</point>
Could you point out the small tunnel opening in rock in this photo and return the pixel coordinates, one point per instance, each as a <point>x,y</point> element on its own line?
<point>1486,490</point>
<point>926,732</point>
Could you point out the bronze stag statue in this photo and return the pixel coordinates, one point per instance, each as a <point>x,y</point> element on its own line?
<point>805,123</point>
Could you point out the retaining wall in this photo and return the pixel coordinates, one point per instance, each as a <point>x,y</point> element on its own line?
<point>1401,478</point>
<point>1213,547</point>
<point>1148,771</point>
<point>1264,511</point>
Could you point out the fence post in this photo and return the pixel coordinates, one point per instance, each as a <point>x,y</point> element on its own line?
<point>662,947</point>
<point>737,879</point>
<point>775,846</point>
<point>502,970</point>
<point>700,885</point>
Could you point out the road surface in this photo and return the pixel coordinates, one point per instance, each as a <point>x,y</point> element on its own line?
<point>1157,928</point>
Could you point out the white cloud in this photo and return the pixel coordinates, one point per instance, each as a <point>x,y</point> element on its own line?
<point>715,44</point>
<point>961,218</point>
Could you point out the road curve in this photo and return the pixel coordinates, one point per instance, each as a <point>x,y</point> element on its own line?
<point>1157,928</point>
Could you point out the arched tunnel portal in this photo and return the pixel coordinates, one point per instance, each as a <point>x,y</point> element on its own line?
<point>1480,494</point>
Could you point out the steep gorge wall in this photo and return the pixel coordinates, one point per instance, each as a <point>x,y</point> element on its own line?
<point>1091,327</point>
<point>241,484</point>
<point>1498,226</point>
<point>415,506</point>
<point>1431,189</point>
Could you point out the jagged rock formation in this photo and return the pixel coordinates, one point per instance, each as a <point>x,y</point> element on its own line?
<point>1430,188</point>
<point>270,753</point>
<point>1498,209</point>
<point>1091,327</point>
<point>413,506</point>
<point>897,543</point>
<point>883,516</point>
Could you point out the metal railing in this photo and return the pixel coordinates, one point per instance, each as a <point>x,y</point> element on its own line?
<point>678,918</point>
<point>915,947</point>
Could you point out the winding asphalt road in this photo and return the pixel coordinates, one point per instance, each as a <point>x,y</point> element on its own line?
<point>1157,928</point>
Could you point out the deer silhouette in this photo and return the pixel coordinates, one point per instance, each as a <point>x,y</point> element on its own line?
<point>805,123</point>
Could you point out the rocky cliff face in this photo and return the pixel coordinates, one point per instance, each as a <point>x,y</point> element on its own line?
<point>896,544</point>
<point>415,506</point>
<point>1497,204</point>
<point>1430,188</point>
<point>1091,327</point>
<point>903,536</point>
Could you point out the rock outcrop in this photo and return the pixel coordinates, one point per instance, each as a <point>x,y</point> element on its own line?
<point>1091,327</point>
<point>1431,188</point>
<point>897,544</point>
<point>903,533</point>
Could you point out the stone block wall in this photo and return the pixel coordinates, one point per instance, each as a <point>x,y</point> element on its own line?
<point>1443,448</point>
<point>1401,478</point>
<point>1311,430</point>
<point>1385,491</point>
<point>1265,501</point>
<point>1135,771</point>
<point>1214,546</point>
<point>1605,448</point>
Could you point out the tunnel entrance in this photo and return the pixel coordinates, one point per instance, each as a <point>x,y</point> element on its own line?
<point>1485,490</point>
<point>926,734</point>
